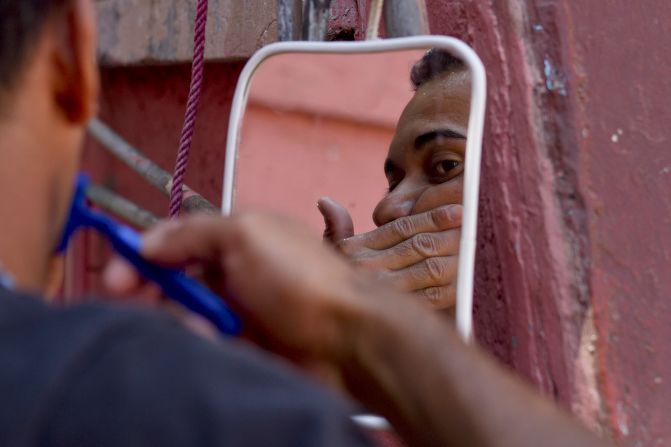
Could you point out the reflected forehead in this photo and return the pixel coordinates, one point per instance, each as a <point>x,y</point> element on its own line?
<point>443,102</point>
<point>441,106</point>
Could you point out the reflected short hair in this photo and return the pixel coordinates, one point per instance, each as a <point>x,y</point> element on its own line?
<point>434,63</point>
<point>21,23</point>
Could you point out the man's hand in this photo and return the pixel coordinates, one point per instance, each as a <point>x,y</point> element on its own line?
<point>288,288</point>
<point>417,253</point>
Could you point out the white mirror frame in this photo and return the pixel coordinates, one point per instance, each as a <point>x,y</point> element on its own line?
<point>464,312</point>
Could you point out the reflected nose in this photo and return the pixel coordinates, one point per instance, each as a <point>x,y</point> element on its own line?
<point>392,207</point>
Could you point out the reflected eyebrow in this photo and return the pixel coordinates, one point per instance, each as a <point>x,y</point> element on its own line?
<point>434,134</point>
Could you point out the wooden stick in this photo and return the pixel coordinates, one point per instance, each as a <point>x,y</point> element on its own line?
<point>120,207</point>
<point>150,171</point>
<point>405,18</point>
<point>290,19</point>
<point>373,26</point>
<point>316,19</point>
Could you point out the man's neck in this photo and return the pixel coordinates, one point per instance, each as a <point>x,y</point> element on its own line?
<point>26,186</point>
<point>42,125</point>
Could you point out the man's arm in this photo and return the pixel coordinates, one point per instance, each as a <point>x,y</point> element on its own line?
<point>298,299</point>
<point>412,367</point>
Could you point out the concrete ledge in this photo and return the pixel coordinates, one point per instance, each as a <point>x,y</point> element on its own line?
<point>161,31</point>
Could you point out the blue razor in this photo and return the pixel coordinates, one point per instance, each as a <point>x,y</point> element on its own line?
<point>127,243</point>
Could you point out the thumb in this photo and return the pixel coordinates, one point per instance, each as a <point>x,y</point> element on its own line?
<point>337,221</point>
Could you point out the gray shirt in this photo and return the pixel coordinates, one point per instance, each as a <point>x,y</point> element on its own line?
<point>108,376</point>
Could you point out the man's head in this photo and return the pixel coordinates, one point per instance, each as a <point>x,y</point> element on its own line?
<point>425,162</point>
<point>20,24</point>
<point>48,92</point>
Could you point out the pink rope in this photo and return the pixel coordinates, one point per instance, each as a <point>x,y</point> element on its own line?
<point>186,139</point>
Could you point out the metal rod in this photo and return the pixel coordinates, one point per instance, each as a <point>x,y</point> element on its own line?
<point>405,18</point>
<point>316,19</point>
<point>120,207</point>
<point>131,156</point>
<point>290,19</point>
<point>145,167</point>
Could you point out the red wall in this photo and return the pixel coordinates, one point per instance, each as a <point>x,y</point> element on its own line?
<point>622,54</point>
<point>146,105</point>
<point>574,258</point>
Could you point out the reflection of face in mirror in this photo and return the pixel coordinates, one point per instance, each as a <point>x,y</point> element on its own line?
<point>425,163</point>
<point>334,139</point>
<point>424,170</point>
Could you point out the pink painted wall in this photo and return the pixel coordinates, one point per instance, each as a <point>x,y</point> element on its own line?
<point>303,159</point>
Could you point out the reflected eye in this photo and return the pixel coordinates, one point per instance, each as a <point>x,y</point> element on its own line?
<point>444,170</point>
<point>444,167</point>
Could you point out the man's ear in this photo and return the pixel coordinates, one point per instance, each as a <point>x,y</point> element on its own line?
<point>75,68</point>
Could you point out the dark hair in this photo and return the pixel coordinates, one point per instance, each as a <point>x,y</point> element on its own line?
<point>21,22</point>
<point>434,63</point>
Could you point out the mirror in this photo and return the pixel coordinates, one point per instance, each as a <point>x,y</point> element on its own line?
<point>386,129</point>
<point>327,121</point>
